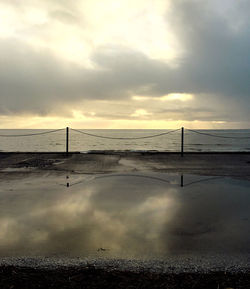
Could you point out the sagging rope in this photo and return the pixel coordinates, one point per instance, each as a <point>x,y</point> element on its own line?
<point>30,134</point>
<point>120,175</point>
<point>124,138</point>
<point>220,136</point>
<point>133,175</point>
<point>203,180</point>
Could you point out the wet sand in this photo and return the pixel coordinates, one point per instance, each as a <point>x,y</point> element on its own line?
<point>185,272</point>
<point>210,164</point>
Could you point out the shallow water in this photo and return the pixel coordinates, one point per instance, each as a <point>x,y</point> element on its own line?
<point>139,216</point>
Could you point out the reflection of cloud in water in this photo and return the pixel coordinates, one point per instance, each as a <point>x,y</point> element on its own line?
<point>213,218</point>
<point>130,216</point>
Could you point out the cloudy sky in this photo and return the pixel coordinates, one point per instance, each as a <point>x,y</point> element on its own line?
<point>124,63</point>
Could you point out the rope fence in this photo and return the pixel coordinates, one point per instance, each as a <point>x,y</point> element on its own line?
<point>182,183</point>
<point>126,138</point>
<point>67,130</point>
<point>30,134</point>
<point>220,136</point>
<point>115,176</point>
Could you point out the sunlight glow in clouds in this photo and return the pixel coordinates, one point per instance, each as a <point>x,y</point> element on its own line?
<point>32,122</point>
<point>140,112</point>
<point>139,25</point>
<point>124,63</point>
<point>168,97</point>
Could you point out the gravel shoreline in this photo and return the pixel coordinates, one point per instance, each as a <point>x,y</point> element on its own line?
<point>105,273</point>
<point>171,265</point>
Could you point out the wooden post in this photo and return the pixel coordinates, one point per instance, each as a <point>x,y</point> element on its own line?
<point>182,141</point>
<point>67,140</point>
<point>182,183</point>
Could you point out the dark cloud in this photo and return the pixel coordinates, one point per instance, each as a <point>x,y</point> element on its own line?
<point>37,80</point>
<point>217,59</point>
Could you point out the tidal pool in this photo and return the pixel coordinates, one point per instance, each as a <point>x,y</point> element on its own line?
<point>143,215</point>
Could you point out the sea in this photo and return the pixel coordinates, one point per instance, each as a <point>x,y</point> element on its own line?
<point>85,140</point>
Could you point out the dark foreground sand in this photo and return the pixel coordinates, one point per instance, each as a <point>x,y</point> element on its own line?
<point>90,277</point>
<point>77,273</point>
<point>189,272</point>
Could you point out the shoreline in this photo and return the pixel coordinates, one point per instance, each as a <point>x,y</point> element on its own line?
<point>174,264</point>
<point>208,164</point>
<point>125,152</point>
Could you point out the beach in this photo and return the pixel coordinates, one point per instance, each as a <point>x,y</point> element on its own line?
<point>230,270</point>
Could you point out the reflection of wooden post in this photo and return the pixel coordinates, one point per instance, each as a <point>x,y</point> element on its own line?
<point>181,180</point>
<point>182,141</point>
<point>67,140</point>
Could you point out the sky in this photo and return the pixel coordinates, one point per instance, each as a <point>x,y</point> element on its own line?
<point>146,64</point>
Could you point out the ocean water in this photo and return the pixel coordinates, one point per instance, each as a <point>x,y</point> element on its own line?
<point>56,141</point>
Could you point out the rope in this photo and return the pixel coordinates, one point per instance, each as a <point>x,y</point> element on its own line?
<point>221,136</point>
<point>203,180</point>
<point>30,134</point>
<point>133,175</point>
<point>119,175</point>
<point>108,137</point>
